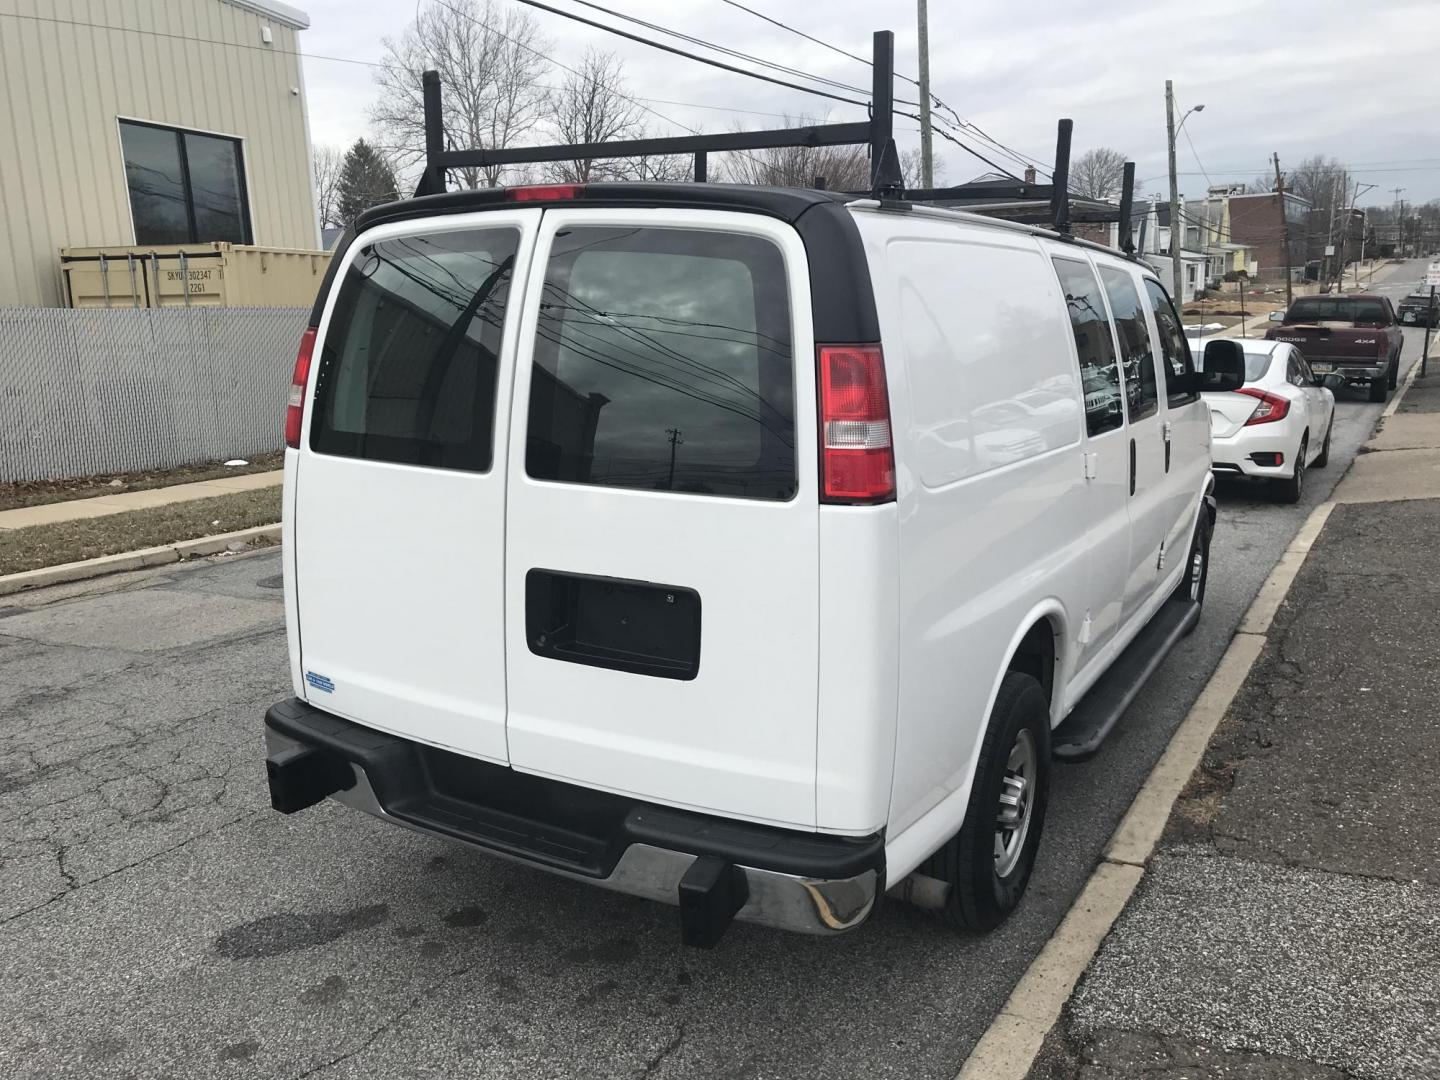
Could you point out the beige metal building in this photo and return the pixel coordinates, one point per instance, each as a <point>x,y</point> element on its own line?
<point>148,122</point>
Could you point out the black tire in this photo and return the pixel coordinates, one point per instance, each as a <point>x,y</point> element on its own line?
<point>1192,585</point>
<point>1379,389</point>
<point>980,897</point>
<point>1291,490</point>
<point>1323,458</point>
<point>1395,372</point>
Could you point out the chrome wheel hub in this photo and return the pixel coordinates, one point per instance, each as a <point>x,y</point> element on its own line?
<point>1012,815</point>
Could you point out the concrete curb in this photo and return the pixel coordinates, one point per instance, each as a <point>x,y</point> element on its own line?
<point>132,560</point>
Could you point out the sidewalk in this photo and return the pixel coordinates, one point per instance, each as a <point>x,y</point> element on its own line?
<point>103,505</point>
<point>1288,924</point>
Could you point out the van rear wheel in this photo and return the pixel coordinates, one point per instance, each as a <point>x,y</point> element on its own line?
<point>988,862</point>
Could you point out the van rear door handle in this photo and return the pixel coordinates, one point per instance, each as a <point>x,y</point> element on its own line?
<point>1132,466</point>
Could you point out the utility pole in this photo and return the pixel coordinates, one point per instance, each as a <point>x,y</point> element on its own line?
<point>1177,234</point>
<point>1345,238</point>
<point>676,437</point>
<point>1284,227</point>
<point>927,161</point>
<point>1327,265</point>
<point>1399,222</point>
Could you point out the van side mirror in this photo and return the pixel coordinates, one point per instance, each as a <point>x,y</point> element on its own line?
<point>1277,316</point>
<point>1223,367</point>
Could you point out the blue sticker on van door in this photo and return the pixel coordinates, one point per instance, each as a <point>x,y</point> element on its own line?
<point>320,682</point>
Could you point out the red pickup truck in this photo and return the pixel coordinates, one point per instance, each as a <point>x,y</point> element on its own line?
<point>1356,336</point>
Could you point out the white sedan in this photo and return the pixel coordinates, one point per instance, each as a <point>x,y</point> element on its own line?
<point>1277,424</point>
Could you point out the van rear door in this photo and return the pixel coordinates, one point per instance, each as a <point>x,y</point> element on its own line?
<point>662,518</point>
<point>399,501</point>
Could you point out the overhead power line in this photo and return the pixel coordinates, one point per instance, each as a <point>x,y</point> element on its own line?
<point>689,55</point>
<point>725,49</point>
<point>808,37</point>
<point>1022,159</point>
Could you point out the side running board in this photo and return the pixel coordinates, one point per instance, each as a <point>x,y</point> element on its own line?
<point>1080,735</point>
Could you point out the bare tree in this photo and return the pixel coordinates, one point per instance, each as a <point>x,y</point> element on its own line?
<point>656,167</point>
<point>910,168</point>
<point>844,168</point>
<point>591,106</point>
<point>325,163</point>
<point>1097,174</point>
<point>1323,182</point>
<point>490,59</point>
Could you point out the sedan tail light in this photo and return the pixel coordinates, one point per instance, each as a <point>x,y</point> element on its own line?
<point>1269,407</point>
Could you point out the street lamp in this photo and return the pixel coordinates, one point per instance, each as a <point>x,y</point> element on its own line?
<point>1197,108</point>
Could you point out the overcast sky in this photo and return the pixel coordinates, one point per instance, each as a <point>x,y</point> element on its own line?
<point>1352,79</point>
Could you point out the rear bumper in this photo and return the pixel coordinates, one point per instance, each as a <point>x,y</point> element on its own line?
<point>713,868</point>
<point>1353,371</point>
<point>1242,453</point>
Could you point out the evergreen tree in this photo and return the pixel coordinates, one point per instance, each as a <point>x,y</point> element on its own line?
<point>366,180</point>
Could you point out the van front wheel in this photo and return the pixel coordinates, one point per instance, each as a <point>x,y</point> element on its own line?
<point>988,862</point>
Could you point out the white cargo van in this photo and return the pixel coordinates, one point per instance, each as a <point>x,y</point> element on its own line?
<point>749,549</point>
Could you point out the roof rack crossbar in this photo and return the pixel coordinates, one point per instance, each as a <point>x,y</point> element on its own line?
<point>814,135</point>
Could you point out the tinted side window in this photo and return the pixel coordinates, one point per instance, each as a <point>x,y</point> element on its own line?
<point>185,187</point>
<point>1173,347</point>
<point>1136,356</point>
<point>408,366</point>
<point>663,362</point>
<point>1099,376</point>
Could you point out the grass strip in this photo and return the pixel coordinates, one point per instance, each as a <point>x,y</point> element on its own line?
<point>14,495</point>
<point>89,538</point>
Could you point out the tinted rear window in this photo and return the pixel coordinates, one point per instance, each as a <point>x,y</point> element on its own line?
<point>407,368</point>
<point>663,362</point>
<point>1336,309</point>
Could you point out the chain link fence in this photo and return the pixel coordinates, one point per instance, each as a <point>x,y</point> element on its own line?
<point>93,390</point>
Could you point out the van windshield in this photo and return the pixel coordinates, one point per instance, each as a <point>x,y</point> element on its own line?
<point>663,362</point>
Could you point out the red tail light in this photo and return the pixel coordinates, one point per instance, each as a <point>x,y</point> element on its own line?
<point>295,409</point>
<point>544,192</point>
<point>1272,407</point>
<point>857,461</point>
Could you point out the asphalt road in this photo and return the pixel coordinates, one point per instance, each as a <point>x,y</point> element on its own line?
<point>158,920</point>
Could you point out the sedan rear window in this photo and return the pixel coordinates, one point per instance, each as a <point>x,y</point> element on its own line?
<point>663,362</point>
<point>1256,364</point>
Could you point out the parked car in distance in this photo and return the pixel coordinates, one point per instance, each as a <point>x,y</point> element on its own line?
<point>749,549</point>
<point>1356,336</point>
<point>1278,424</point>
<point>1420,309</point>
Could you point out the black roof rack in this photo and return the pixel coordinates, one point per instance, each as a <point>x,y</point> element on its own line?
<point>1051,202</point>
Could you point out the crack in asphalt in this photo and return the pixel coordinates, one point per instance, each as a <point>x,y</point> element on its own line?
<point>391,1021</point>
<point>665,1051</point>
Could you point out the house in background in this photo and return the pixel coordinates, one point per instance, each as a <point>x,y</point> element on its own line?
<point>154,123</point>
<point>1261,223</point>
<point>1150,231</point>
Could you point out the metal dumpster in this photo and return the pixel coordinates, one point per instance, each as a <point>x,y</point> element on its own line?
<point>191,275</point>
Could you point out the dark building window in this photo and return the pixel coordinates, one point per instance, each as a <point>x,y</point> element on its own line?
<point>185,187</point>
